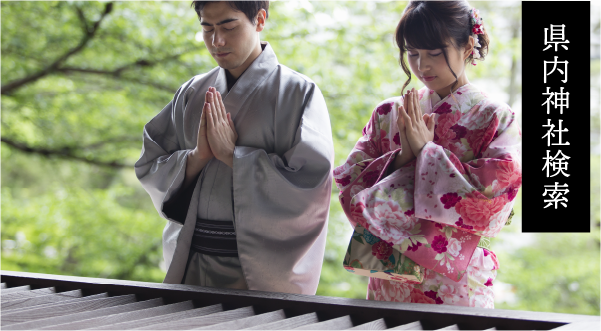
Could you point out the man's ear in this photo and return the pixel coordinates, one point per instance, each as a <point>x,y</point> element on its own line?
<point>261,20</point>
<point>469,47</point>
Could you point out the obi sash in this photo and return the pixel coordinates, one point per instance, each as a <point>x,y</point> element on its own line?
<point>217,238</point>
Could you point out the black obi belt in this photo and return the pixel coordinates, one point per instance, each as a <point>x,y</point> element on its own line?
<point>217,238</point>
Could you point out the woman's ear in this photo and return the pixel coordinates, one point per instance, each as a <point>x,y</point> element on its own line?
<point>469,47</point>
<point>261,15</point>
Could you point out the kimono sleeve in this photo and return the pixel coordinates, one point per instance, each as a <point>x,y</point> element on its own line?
<point>281,203</point>
<point>475,196</point>
<point>162,165</point>
<point>368,161</point>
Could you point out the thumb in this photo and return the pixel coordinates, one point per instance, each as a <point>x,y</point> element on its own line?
<point>431,123</point>
<point>230,122</point>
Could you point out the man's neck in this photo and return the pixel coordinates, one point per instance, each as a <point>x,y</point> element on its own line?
<point>236,73</point>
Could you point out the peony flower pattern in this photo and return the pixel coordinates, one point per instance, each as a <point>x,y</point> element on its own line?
<point>477,212</point>
<point>463,181</point>
<point>381,250</point>
<point>440,244</point>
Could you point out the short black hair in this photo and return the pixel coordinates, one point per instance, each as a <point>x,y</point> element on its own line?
<point>249,8</point>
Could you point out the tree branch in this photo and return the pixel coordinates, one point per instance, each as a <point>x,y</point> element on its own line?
<point>66,152</point>
<point>89,34</point>
<point>118,71</point>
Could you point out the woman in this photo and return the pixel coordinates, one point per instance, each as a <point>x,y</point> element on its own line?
<point>438,168</point>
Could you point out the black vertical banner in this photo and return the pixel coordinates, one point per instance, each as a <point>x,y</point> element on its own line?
<point>556,116</point>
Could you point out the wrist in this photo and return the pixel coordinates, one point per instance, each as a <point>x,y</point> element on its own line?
<point>197,157</point>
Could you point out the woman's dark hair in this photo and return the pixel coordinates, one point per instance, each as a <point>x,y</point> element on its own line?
<point>433,25</point>
<point>249,8</point>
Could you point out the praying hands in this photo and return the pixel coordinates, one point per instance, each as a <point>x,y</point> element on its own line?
<point>221,133</point>
<point>415,128</point>
<point>216,137</point>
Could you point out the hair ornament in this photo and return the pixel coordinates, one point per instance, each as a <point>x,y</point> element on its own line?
<point>476,30</point>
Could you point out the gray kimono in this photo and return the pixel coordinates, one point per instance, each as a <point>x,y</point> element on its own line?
<point>278,192</point>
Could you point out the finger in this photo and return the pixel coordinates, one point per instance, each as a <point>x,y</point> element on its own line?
<point>221,105</point>
<point>431,123</point>
<point>210,118</point>
<point>410,107</point>
<point>405,99</point>
<point>203,116</point>
<point>215,108</point>
<point>418,109</point>
<point>397,107</point>
<point>406,118</point>
<point>231,123</point>
<point>212,99</point>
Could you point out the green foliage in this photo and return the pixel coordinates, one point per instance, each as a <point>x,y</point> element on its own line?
<point>71,132</point>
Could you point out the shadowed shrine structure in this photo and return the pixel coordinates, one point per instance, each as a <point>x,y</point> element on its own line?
<point>53,302</point>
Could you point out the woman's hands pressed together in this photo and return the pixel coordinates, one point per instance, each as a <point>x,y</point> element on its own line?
<point>415,128</point>
<point>419,127</point>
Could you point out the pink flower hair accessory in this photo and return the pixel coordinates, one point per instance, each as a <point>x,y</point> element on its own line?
<point>476,30</point>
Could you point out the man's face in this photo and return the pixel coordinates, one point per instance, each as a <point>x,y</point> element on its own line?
<point>230,37</point>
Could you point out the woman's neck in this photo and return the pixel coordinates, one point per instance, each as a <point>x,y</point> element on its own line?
<point>462,80</point>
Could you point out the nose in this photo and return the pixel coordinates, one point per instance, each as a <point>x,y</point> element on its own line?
<point>423,64</point>
<point>218,40</point>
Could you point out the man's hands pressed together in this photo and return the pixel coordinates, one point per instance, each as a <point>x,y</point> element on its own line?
<point>216,137</point>
<point>222,134</point>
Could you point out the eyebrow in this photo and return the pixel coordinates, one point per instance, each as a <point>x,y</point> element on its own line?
<point>227,20</point>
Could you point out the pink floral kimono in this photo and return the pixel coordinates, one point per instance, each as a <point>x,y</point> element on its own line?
<point>435,209</point>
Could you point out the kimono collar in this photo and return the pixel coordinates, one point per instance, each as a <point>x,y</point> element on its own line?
<point>254,76</point>
<point>258,70</point>
<point>430,101</point>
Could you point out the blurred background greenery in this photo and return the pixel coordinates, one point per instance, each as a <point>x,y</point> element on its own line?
<point>80,80</point>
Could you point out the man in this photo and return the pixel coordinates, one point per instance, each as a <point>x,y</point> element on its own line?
<point>239,163</point>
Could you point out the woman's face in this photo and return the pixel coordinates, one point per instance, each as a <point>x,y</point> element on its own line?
<point>431,67</point>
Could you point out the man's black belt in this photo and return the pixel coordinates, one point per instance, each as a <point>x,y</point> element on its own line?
<point>217,238</point>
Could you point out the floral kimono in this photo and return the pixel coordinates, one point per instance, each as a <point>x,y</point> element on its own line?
<point>436,208</point>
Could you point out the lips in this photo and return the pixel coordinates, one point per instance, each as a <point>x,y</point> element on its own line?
<point>428,78</point>
<point>221,54</point>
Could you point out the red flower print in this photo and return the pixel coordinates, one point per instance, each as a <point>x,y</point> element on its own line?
<point>414,247</point>
<point>439,244</point>
<point>384,109</point>
<point>438,225</point>
<point>443,109</point>
<point>344,181</point>
<point>460,224</point>
<point>370,178</point>
<point>488,282</point>
<point>410,212</point>
<point>397,139</point>
<point>459,130</point>
<point>509,174</point>
<point>433,295</point>
<point>418,296</point>
<point>450,200</point>
<point>357,210</point>
<point>474,138</point>
<point>511,193</point>
<point>381,250</point>
<point>477,212</point>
